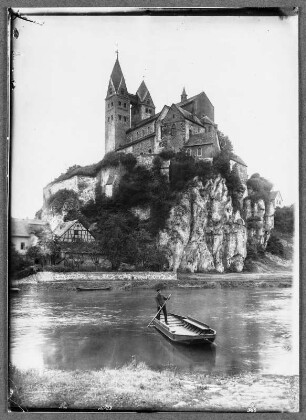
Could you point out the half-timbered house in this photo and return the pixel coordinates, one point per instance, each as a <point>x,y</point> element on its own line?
<point>72,231</point>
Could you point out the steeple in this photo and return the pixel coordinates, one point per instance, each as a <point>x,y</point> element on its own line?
<point>116,79</point>
<point>144,106</point>
<point>184,95</point>
<point>117,109</point>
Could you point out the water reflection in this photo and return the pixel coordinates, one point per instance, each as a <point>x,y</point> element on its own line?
<point>69,330</point>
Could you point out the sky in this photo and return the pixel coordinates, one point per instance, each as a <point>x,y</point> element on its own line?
<point>248,67</point>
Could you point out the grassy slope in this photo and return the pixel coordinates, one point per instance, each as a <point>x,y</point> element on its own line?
<point>137,387</point>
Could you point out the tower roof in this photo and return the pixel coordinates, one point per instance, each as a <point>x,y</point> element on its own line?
<point>184,92</point>
<point>142,90</point>
<point>117,74</point>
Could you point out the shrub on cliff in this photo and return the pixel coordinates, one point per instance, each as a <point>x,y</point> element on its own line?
<point>275,246</point>
<point>259,188</point>
<point>61,198</point>
<point>284,219</point>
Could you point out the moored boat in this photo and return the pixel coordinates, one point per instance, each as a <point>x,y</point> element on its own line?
<point>90,289</point>
<point>185,330</point>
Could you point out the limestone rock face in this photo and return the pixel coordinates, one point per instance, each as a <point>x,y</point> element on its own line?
<point>203,233</point>
<point>259,218</point>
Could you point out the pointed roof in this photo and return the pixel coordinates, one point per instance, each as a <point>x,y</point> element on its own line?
<point>62,227</point>
<point>142,90</point>
<point>117,74</point>
<point>143,93</point>
<point>184,92</point>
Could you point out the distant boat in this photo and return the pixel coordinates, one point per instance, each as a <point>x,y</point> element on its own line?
<point>14,289</point>
<point>89,289</point>
<point>185,330</point>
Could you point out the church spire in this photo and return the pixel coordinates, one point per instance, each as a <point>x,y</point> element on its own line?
<point>117,74</point>
<point>184,95</point>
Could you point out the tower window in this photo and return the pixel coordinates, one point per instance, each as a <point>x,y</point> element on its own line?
<point>110,90</point>
<point>112,118</point>
<point>173,130</point>
<point>119,117</point>
<point>108,119</point>
<point>122,91</point>
<point>124,105</point>
<point>22,245</point>
<point>125,119</point>
<point>112,104</point>
<point>150,111</point>
<point>137,134</point>
<point>150,150</point>
<point>119,103</point>
<point>143,133</point>
<point>147,109</point>
<point>199,151</point>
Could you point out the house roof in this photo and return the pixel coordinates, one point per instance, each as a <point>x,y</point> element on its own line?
<point>200,139</point>
<point>123,146</point>
<point>24,227</point>
<point>273,195</point>
<point>143,122</point>
<point>237,159</point>
<point>62,227</point>
<point>189,115</point>
<point>192,98</point>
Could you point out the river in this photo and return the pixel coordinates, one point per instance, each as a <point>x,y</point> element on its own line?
<point>72,330</point>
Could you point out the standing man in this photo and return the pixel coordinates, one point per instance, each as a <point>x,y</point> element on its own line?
<point>160,300</point>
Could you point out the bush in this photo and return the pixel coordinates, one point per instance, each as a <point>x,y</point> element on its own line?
<point>275,246</point>
<point>167,154</point>
<point>284,219</point>
<point>260,188</point>
<point>63,197</point>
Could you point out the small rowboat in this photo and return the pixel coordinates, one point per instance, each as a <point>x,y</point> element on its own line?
<point>186,330</point>
<point>90,289</point>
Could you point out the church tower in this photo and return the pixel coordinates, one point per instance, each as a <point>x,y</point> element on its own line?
<point>143,107</point>
<point>117,110</point>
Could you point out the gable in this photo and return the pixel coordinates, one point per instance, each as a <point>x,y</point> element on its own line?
<point>173,115</point>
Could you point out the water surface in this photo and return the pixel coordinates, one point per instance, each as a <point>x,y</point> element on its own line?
<point>90,330</point>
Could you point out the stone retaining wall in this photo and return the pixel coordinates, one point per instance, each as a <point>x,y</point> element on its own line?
<point>49,276</point>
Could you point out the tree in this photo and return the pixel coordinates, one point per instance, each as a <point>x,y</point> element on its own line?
<point>284,219</point>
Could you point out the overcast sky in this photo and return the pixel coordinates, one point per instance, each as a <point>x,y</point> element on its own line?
<point>248,67</point>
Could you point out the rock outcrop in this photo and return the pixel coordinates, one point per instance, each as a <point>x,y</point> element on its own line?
<point>203,232</point>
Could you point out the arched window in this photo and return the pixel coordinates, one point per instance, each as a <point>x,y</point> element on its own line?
<point>173,130</point>
<point>199,151</point>
<point>150,150</point>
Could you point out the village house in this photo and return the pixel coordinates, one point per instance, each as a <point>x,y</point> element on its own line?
<point>276,199</point>
<point>24,233</point>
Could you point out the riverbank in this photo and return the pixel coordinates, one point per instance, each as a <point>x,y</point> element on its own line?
<point>70,281</point>
<point>131,388</point>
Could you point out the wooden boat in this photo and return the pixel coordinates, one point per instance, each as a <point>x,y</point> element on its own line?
<point>90,289</point>
<point>186,330</point>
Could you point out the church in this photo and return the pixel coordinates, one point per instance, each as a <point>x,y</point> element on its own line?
<point>133,126</point>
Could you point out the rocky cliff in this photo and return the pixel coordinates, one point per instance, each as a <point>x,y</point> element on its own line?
<point>203,232</point>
